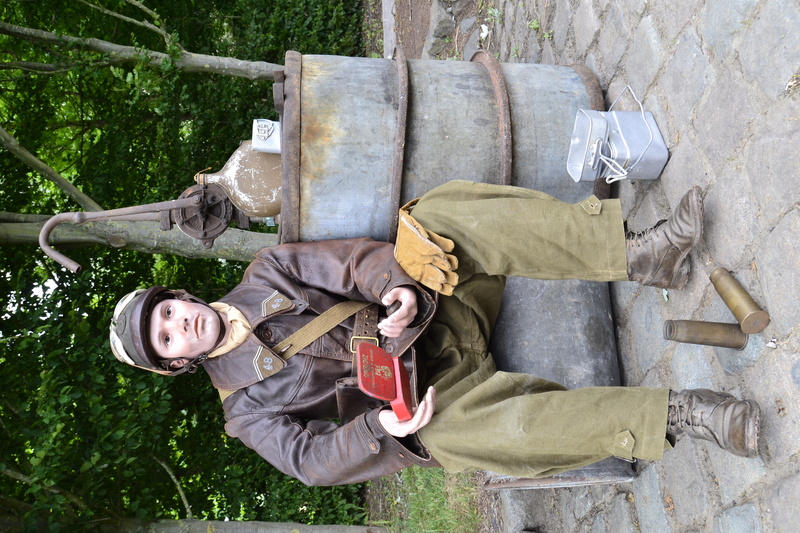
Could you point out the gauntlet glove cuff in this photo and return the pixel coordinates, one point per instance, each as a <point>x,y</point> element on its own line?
<point>424,255</point>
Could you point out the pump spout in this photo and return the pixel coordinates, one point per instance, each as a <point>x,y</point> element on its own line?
<point>139,212</point>
<point>44,239</point>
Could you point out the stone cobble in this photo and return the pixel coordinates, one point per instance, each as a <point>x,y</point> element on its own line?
<point>718,77</point>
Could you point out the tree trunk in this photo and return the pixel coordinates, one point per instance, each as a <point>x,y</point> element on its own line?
<point>202,526</point>
<point>234,244</point>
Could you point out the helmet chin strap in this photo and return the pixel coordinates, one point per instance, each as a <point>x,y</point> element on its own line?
<point>192,366</point>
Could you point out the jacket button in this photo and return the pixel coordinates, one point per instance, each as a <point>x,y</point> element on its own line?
<point>401,456</point>
<point>372,446</point>
<point>386,276</point>
<point>389,348</point>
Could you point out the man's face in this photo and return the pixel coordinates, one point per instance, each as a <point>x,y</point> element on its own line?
<point>181,330</point>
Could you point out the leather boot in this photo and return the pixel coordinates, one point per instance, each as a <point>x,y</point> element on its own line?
<point>656,256</point>
<point>717,417</point>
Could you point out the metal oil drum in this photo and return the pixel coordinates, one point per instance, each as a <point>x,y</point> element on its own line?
<point>351,124</point>
<point>356,145</point>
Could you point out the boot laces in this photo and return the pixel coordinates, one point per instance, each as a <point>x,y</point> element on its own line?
<point>639,238</point>
<point>686,418</point>
<point>681,416</point>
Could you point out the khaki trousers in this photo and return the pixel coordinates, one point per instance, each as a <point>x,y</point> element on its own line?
<point>511,423</point>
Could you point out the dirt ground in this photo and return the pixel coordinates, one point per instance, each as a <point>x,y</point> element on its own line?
<point>412,20</point>
<point>411,25</point>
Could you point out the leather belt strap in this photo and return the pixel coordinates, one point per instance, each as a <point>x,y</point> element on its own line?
<point>366,327</point>
<point>319,327</point>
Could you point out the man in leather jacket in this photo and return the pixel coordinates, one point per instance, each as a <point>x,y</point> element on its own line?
<point>286,396</point>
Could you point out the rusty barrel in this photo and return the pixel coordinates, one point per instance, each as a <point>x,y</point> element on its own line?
<point>362,136</point>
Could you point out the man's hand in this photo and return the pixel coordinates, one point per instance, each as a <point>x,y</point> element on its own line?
<point>421,417</point>
<point>394,324</point>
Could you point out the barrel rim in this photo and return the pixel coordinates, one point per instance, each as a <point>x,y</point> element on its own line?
<point>290,141</point>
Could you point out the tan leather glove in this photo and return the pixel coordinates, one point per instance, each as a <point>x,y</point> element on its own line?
<point>422,254</point>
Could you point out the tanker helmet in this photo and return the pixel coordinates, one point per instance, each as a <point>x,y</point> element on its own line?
<point>128,332</point>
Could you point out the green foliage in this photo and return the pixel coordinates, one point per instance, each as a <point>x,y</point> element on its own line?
<point>426,500</point>
<point>81,436</point>
<point>308,26</point>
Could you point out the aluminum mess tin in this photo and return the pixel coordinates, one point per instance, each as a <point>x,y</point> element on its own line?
<point>589,138</point>
<point>629,141</point>
<point>616,145</point>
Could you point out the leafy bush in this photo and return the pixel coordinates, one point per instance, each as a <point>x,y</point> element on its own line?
<point>84,439</point>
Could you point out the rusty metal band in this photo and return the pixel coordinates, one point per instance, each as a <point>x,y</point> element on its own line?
<point>289,107</point>
<point>396,184</point>
<point>592,86</point>
<point>503,110</point>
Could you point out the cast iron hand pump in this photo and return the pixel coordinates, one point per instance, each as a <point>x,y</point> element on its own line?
<point>201,211</point>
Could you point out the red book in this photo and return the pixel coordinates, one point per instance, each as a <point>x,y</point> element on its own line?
<point>384,377</point>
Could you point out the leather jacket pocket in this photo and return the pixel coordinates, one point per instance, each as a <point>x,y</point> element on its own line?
<point>352,401</point>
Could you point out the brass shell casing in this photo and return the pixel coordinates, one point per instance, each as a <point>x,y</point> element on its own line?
<point>751,317</point>
<point>708,333</point>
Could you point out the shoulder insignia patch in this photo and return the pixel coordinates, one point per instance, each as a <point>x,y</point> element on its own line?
<point>275,303</point>
<point>266,363</point>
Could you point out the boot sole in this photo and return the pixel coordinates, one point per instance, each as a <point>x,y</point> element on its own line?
<point>752,430</point>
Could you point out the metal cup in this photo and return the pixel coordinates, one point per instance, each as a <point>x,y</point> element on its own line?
<point>751,317</point>
<point>708,333</point>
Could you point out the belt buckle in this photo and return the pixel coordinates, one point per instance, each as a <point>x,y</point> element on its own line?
<point>354,344</point>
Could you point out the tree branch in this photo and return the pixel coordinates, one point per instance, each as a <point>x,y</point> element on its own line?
<point>177,484</point>
<point>57,68</point>
<point>166,36</point>
<point>233,245</point>
<point>13,146</point>
<point>187,61</point>
<point>22,217</point>
<point>143,8</point>
<point>35,67</point>
<point>16,505</point>
<point>13,474</point>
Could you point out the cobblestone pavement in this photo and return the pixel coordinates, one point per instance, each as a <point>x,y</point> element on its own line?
<point>719,77</point>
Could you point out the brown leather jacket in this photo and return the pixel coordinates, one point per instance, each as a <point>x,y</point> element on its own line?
<point>284,409</point>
